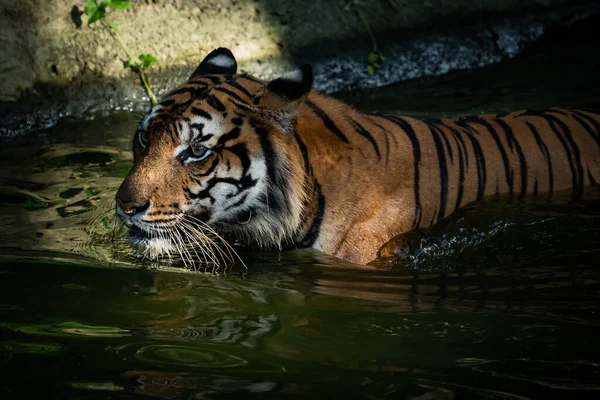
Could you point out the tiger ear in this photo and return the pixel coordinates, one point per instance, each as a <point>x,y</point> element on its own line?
<point>288,89</point>
<point>281,97</point>
<point>219,61</point>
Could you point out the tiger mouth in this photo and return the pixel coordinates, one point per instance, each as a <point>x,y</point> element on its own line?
<point>181,240</point>
<point>152,245</point>
<point>137,233</point>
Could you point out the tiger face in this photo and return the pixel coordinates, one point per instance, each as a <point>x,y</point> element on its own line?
<point>215,152</point>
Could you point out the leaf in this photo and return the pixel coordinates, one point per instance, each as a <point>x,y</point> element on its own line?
<point>133,63</point>
<point>147,60</point>
<point>117,4</point>
<point>89,192</point>
<point>94,11</point>
<point>114,25</point>
<point>370,69</point>
<point>99,14</point>
<point>105,222</point>
<point>90,8</point>
<point>372,58</point>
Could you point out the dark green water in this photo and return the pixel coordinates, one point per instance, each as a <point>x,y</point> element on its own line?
<point>502,300</point>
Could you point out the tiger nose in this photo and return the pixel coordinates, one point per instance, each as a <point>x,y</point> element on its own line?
<point>132,207</point>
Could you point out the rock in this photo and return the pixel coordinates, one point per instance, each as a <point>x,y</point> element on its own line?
<point>100,52</point>
<point>48,45</point>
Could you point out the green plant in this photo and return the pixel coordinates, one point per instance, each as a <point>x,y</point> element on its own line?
<point>97,12</point>
<point>375,58</point>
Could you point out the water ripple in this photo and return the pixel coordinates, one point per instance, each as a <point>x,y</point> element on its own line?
<point>188,356</point>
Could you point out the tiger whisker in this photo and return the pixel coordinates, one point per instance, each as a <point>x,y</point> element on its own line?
<point>229,248</point>
<point>186,251</point>
<point>193,234</point>
<point>210,244</point>
<point>266,200</point>
<point>179,248</point>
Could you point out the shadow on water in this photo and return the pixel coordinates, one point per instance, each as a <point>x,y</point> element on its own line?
<point>499,301</point>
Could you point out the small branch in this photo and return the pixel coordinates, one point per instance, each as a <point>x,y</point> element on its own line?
<point>147,86</point>
<point>137,68</point>
<point>368,27</point>
<point>117,36</point>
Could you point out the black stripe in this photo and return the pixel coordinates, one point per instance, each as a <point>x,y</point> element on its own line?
<point>206,172</point>
<point>214,79</point>
<point>563,134</point>
<point>443,166</point>
<point>167,103</point>
<point>544,149</point>
<point>461,162</point>
<point>240,88</point>
<point>241,152</point>
<point>416,147</point>
<point>204,137</point>
<point>576,155</point>
<point>387,148</point>
<point>591,177</point>
<point>341,242</point>
<point>201,113</point>
<point>175,133</point>
<point>167,114</point>
<point>232,94</point>
<point>385,134</point>
<point>589,119</point>
<point>215,103</point>
<point>442,134</point>
<point>194,91</point>
<point>507,168</point>
<point>327,121</point>
<point>275,197</point>
<point>479,159</point>
<point>251,79</point>
<point>433,216</point>
<point>364,133</point>
<point>557,111</point>
<point>238,203</point>
<point>304,152</point>
<point>242,185</point>
<point>232,134</point>
<point>461,169</point>
<point>512,140</point>
<point>458,138</point>
<point>588,129</point>
<point>315,227</point>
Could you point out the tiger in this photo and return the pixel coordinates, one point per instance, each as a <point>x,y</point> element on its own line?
<point>281,165</point>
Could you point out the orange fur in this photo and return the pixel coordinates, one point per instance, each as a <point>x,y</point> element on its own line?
<point>314,172</point>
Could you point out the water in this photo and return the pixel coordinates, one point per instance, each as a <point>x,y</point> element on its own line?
<point>499,301</point>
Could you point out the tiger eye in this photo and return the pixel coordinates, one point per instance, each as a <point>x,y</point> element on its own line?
<point>199,149</point>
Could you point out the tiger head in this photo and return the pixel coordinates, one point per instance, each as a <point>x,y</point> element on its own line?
<point>217,151</point>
